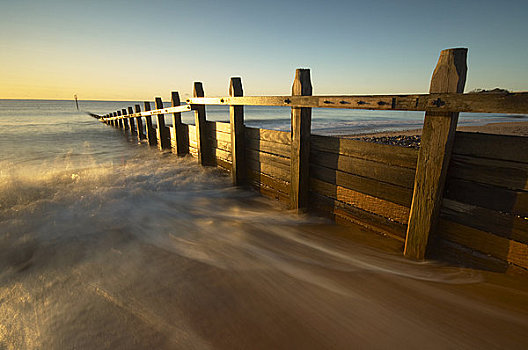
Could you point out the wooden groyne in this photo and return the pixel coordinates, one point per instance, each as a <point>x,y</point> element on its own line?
<point>461,193</point>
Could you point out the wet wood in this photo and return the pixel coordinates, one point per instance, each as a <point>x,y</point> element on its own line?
<point>403,177</point>
<point>151,132</point>
<point>125,119</point>
<point>236,120</point>
<point>201,127</point>
<point>434,102</point>
<point>503,147</point>
<point>395,194</point>
<point>500,173</point>
<point>362,201</point>
<point>268,169</point>
<point>131,121</point>
<point>502,224</point>
<point>487,196</point>
<point>390,155</point>
<point>438,135</point>
<point>301,124</point>
<point>487,243</point>
<point>139,125</point>
<point>268,147</point>
<point>162,132</point>
<point>258,177</point>
<point>179,138</point>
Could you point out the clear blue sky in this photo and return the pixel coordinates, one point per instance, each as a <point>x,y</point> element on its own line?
<point>140,49</point>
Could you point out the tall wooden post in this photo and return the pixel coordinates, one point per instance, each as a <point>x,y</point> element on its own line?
<point>151,133</point>
<point>115,122</point>
<point>201,126</point>
<point>301,121</point>
<point>236,119</point>
<point>131,122</point>
<point>180,146</point>
<point>119,120</point>
<point>125,119</point>
<point>162,132</point>
<point>139,124</point>
<point>438,135</point>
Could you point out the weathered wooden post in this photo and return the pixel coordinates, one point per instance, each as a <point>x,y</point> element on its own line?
<point>131,122</point>
<point>114,122</point>
<point>438,135</point>
<point>178,137</point>
<point>125,119</point>
<point>151,133</point>
<point>162,132</point>
<point>301,121</point>
<point>236,119</point>
<point>201,126</point>
<point>139,124</point>
<point>119,120</point>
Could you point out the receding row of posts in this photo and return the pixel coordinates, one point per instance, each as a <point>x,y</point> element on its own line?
<point>437,140</point>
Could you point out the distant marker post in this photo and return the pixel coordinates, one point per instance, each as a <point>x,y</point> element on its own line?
<point>76,102</point>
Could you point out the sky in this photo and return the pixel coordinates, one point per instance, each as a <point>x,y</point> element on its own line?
<point>135,50</point>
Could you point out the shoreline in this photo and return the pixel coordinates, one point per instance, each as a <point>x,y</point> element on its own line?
<point>412,138</point>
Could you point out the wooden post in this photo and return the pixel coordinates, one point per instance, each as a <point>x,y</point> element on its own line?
<point>180,146</point>
<point>139,123</point>
<point>115,122</point>
<point>201,126</point>
<point>125,120</point>
<point>119,120</point>
<point>438,135</point>
<point>236,119</point>
<point>162,132</point>
<point>301,121</point>
<point>131,122</point>
<point>151,133</point>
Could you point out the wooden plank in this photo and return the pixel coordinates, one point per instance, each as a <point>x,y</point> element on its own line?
<point>268,169</point>
<point>237,132</point>
<point>125,119</point>
<point>179,138</point>
<point>403,177</point>
<point>221,154</point>
<point>504,147</point>
<point>151,133</point>
<point>438,134</point>
<point>201,127</point>
<point>498,247</point>
<point>140,133</point>
<point>487,196</point>
<point>502,224</point>
<point>391,155</point>
<point>219,127</point>
<point>193,151</point>
<point>301,124</point>
<point>362,201</point>
<point>342,213</point>
<point>224,164</point>
<point>268,135</point>
<point>433,102</point>
<point>162,132</point>
<point>500,173</point>
<point>269,192</point>
<point>266,158</point>
<point>226,146</point>
<point>382,190</point>
<point>278,185</point>
<point>192,133</point>
<point>220,136</point>
<point>279,149</point>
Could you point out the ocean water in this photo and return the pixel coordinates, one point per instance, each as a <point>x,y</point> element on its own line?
<point>110,244</point>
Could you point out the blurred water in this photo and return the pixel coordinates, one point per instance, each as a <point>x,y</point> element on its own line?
<point>110,244</point>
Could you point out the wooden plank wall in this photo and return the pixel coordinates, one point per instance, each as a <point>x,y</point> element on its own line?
<point>366,183</point>
<point>219,141</point>
<point>268,162</point>
<point>485,206</point>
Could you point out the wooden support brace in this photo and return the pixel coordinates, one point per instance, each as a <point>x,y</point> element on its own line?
<point>438,135</point>
<point>201,127</point>
<point>162,132</point>
<point>181,144</point>
<point>236,119</point>
<point>151,133</point>
<point>301,120</point>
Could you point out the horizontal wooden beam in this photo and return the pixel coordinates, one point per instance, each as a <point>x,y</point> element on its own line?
<point>480,103</point>
<point>168,110</point>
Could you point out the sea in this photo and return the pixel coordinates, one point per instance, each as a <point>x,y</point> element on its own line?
<point>107,243</point>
